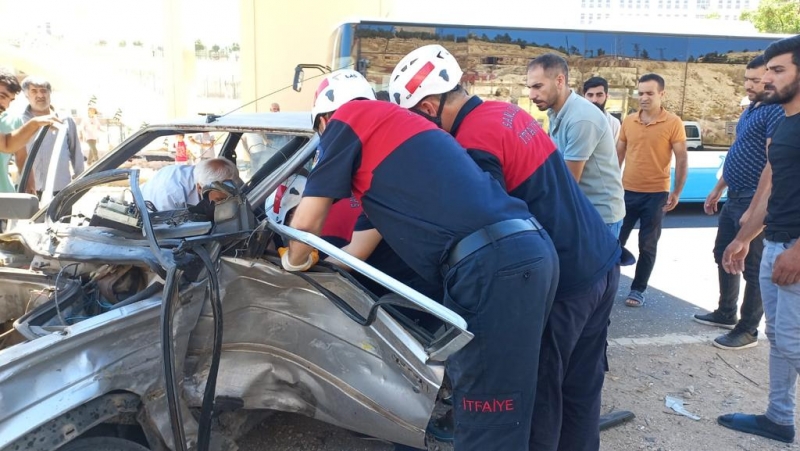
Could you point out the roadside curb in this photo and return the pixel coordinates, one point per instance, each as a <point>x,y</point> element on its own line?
<point>664,340</point>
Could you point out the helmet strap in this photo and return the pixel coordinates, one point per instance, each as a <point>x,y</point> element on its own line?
<point>438,118</point>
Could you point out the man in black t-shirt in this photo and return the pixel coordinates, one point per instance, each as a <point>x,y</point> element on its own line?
<point>776,205</point>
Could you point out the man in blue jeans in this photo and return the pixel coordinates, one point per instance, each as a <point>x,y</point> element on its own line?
<point>776,205</point>
<point>743,166</point>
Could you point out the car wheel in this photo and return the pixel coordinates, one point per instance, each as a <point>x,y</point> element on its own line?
<point>102,444</point>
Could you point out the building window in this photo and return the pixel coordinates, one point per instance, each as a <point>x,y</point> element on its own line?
<point>685,4</point>
<point>660,4</point>
<point>583,18</point>
<point>703,4</point>
<point>608,16</point>
<point>608,4</point>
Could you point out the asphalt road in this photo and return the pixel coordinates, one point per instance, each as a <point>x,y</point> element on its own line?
<point>684,282</point>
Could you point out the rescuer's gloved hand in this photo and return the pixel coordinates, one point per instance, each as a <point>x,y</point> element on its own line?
<point>313,258</point>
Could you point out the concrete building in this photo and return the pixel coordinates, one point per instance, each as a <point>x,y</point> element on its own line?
<point>276,36</point>
<point>598,11</point>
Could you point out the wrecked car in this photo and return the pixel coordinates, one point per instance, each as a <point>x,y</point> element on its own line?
<point>123,328</point>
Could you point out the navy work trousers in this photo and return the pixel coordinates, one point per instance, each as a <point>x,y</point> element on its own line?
<point>504,291</point>
<point>572,367</point>
<point>648,210</point>
<point>752,308</point>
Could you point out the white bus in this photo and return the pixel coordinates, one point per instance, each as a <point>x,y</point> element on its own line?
<point>704,73</point>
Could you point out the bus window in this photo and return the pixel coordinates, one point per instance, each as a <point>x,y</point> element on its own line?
<point>702,73</point>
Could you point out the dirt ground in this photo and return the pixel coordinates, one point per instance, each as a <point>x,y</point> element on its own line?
<point>711,382</point>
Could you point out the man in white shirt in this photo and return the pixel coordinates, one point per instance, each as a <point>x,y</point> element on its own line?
<point>53,180</point>
<point>179,186</point>
<point>595,90</point>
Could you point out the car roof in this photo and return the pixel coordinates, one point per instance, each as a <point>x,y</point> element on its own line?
<point>272,121</point>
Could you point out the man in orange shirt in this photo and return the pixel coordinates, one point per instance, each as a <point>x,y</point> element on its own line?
<point>648,139</point>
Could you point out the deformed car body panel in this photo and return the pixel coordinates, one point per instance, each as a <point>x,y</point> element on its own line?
<point>115,351</point>
<point>286,345</point>
<point>293,350</point>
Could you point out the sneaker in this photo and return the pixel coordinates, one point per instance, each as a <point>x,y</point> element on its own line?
<point>736,339</point>
<point>715,319</point>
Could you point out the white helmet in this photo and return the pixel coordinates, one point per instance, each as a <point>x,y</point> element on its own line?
<point>285,198</point>
<point>339,88</point>
<point>425,71</point>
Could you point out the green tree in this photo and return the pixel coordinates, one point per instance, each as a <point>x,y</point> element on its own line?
<point>122,43</point>
<point>645,54</point>
<point>215,48</point>
<point>198,46</point>
<point>775,16</point>
<point>235,47</point>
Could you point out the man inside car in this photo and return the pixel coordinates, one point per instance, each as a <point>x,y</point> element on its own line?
<point>180,186</point>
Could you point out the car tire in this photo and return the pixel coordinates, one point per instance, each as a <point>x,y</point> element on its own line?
<point>102,444</point>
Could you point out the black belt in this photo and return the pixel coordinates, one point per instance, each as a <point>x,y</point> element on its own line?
<point>488,235</point>
<point>739,194</point>
<point>780,237</point>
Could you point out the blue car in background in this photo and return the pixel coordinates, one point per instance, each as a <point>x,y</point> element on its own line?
<point>705,169</point>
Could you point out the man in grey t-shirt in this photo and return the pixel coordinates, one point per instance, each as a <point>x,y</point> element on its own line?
<point>582,134</point>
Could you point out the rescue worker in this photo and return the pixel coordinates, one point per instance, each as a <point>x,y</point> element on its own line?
<point>508,143</point>
<point>348,228</point>
<point>452,224</point>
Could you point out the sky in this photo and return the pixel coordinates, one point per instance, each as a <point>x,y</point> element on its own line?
<point>212,21</point>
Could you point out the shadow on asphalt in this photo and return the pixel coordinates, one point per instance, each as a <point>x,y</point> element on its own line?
<point>690,215</point>
<point>662,314</point>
